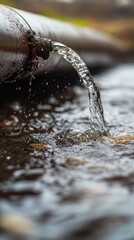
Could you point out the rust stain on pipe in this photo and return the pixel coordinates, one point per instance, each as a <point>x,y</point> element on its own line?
<point>19,46</point>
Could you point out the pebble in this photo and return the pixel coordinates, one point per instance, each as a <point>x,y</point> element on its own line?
<point>96,168</point>
<point>37,146</point>
<point>16,224</point>
<point>74,161</point>
<point>120,139</point>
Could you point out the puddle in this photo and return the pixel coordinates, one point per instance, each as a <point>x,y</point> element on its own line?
<point>69,189</point>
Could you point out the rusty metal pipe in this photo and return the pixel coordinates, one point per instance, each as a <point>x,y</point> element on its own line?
<point>24,37</point>
<point>20,46</point>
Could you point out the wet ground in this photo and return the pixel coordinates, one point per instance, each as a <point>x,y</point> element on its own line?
<point>52,188</point>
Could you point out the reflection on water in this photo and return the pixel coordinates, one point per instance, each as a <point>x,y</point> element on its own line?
<point>67,189</point>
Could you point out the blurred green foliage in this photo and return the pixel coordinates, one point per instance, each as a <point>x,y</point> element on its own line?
<point>48,12</point>
<point>80,22</point>
<point>7,2</point>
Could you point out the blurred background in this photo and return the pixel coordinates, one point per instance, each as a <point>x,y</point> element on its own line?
<point>115,17</point>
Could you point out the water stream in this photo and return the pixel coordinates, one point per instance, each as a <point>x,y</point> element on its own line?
<point>95,104</point>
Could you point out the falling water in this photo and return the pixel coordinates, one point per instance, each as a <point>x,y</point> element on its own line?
<point>95,104</point>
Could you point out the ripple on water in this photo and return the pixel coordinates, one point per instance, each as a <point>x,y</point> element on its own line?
<point>71,191</point>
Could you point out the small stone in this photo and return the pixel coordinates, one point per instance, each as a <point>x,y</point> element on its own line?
<point>96,168</point>
<point>16,224</point>
<point>74,161</point>
<point>120,139</point>
<point>37,146</point>
<point>93,189</point>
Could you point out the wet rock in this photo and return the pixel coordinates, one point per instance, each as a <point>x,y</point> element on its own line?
<point>16,224</point>
<point>97,168</point>
<point>74,161</point>
<point>37,146</point>
<point>120,139</point>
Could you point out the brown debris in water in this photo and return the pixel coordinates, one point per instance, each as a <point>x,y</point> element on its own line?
<point>37,146</point>
<point>120,139</point>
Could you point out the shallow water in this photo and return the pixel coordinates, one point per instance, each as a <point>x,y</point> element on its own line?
<point>70,189</point>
